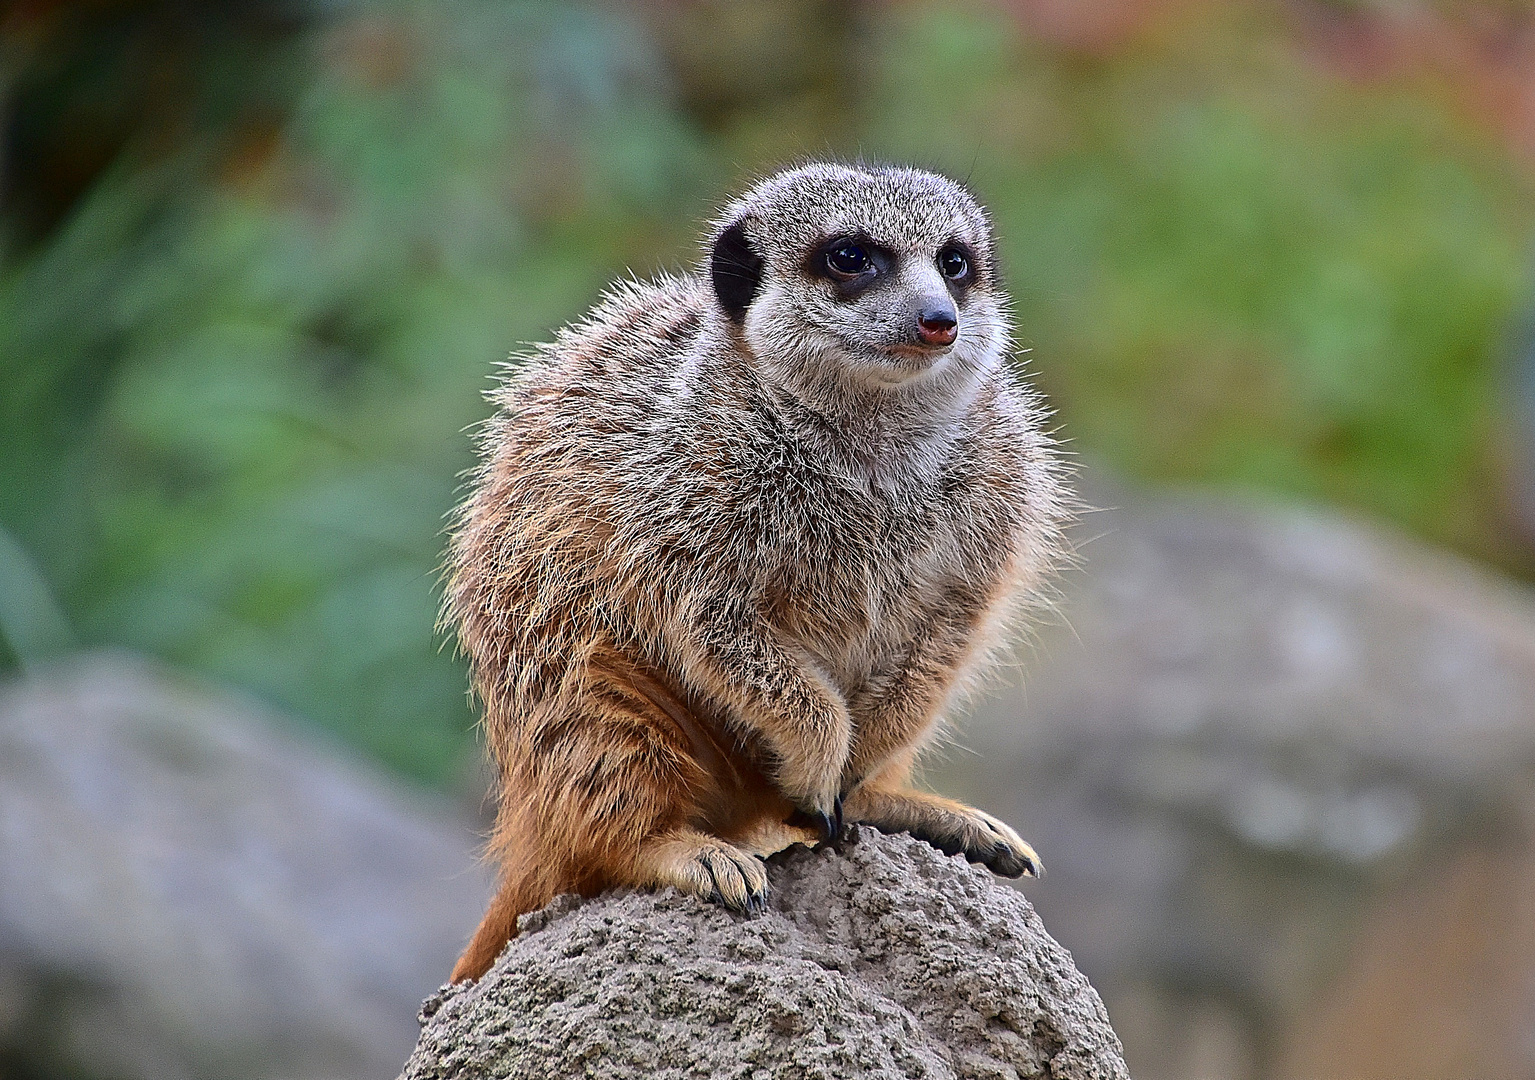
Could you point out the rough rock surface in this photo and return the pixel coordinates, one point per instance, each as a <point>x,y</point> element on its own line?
<point>189,887</point>
<point>886,959</point>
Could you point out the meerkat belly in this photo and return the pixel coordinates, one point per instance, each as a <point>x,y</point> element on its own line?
<point>856,620</point>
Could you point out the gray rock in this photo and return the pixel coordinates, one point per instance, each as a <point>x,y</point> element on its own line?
<point>189,890</point>
<point>886,959</point>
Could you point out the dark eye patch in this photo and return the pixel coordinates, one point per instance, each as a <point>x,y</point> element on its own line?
<point>851,262</point>
<point>957,263</point>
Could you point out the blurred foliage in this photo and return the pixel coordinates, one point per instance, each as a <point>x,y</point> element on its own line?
<point>259,264</point>
<point>237,374</point>
<point>1234,268</point>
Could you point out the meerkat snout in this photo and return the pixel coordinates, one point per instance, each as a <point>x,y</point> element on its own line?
<point>937,323</point>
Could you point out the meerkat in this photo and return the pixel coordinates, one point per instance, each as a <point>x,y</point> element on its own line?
<point>739,536</point>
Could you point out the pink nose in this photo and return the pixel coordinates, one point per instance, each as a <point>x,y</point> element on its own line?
<point>937,329</point>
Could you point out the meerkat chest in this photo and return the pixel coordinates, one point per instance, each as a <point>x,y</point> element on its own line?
<point>858,581</point>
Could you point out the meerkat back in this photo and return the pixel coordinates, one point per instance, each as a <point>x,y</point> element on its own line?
<point>737,540</point>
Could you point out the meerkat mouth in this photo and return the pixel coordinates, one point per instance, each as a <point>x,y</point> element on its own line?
<point>904,365</point>
<point>922,349</point>
<point>925,357</point>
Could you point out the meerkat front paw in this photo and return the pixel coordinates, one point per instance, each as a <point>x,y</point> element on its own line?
<point>951,827</point>
<point>815,792</point>
<point>709,868</point>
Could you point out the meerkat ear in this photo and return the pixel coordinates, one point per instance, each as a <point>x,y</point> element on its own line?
<point>736,271</point>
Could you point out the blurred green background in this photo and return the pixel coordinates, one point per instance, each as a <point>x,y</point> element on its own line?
<point>258,260</point>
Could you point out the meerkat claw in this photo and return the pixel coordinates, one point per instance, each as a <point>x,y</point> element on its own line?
<point>757,899</point>
<point>715,895</point>
<point>1010,863</point>
<point>828,825</point>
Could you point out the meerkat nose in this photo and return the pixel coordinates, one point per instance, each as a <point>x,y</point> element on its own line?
<point>936,325</point>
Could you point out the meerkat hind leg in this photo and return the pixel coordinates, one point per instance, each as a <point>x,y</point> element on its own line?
<point>705,866</point>
<point>951,827</point>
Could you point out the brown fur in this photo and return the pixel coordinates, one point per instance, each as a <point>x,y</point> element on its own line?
<point>723,569</point>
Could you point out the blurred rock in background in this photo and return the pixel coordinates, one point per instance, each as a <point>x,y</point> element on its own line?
<point>1281,769</point>
<point>189,888</point>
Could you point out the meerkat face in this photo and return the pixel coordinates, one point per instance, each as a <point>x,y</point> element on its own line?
<point>882,277</point>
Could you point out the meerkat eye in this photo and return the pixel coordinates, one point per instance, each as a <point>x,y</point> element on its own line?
<point>953,265</point>
<point>848,259</point>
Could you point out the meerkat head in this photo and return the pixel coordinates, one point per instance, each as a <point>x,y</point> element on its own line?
<point>875,277</point>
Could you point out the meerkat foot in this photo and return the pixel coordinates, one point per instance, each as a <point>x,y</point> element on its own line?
<point>951,827</point>
<point>707,867</point>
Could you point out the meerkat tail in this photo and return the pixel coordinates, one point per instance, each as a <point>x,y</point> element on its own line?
<point>518,895</point>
